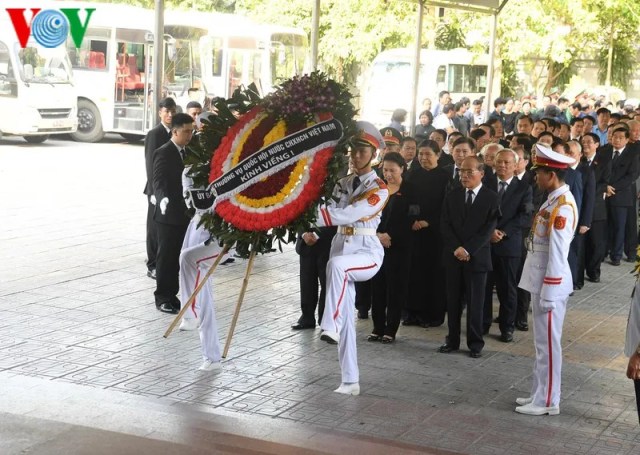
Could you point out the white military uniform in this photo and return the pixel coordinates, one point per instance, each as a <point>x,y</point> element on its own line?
<point>547,276</point>
<point>356,255</point>
<point>196,257</point>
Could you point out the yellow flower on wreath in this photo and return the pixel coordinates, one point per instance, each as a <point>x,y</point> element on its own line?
<point>277,132</point>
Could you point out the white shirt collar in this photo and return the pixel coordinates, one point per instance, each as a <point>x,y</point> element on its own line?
<point>508,180</point>
<point>521,175</point>
<point>475,190</point>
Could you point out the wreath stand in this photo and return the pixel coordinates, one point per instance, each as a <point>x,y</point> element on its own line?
<point>236,313</point>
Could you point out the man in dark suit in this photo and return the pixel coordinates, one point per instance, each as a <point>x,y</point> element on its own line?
<point>514,198</point>
<point>576,250</point>
<point>596,236</point>
<point>313,248</point>
<point>468,221</point>
<point>462,148</point>
<point>624,170</point>
<point>171,215</point>
<point>156,137</point>
<point>631,230</point>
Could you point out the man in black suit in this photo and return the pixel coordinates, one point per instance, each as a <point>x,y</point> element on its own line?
<point>468,221</point>
<point>576,250</point>
<point>313,248</point>
<point>596,236</point>
<point>462,148</point>
<point>631,230</point>
<point>624,170</point>
<point>514,198</point>
<point>171,215</point>
<point>156,137</point>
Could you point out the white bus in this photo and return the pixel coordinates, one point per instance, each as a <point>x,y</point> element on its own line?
<point>388,82</point>
<point>112,71</point>
<point>37,96</point>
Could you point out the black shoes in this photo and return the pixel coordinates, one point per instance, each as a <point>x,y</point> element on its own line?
<point>151,274</point>
<point>301,326</point>
<point>475,354</point>
<point>363,314</point>
<point>594,279</point>
<point>577,287</point>
<point>506,337</point>
<point>447,348</point>
<point>168,307</point>
<point>614,262</point>
<point>522,326</point>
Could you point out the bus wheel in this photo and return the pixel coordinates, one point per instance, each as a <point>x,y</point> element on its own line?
<point>36,139</point>
<point>132,137</point>
<point>89,123</point>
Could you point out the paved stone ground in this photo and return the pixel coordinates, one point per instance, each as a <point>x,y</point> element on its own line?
<point>78,313</point>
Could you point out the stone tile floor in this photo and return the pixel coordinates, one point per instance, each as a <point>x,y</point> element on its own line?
<point>77,310</point>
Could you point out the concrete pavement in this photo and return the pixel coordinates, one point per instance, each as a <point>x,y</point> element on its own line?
<point>83,361</point>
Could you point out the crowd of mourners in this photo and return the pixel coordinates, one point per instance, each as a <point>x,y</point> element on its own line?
<point>603,142</point>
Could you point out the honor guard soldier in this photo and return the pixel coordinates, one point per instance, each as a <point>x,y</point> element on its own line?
<point>547,276</point>
<point>356,252</point>
<point>392,138</point>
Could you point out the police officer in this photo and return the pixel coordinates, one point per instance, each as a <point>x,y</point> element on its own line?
<point>547,277</point>
<point>356,252</point>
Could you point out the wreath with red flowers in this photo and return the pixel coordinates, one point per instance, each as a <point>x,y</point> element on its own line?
<point>285,203</point>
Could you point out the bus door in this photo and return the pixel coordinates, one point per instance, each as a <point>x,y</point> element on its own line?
<point>212,62</point>
<point>134,81</point>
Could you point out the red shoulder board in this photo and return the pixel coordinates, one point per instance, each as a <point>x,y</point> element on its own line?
<point>381,183</point>
<point>559,222</point>
<point>373,199</point>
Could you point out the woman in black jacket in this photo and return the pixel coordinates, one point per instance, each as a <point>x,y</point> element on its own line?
<point>390,284</point>
<point>426,304</point>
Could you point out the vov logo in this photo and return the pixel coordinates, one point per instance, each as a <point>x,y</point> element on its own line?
<point>50,27</point>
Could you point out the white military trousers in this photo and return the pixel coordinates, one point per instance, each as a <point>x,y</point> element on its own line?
<point>195,260</point>
<point>547,367</point>
<point>339,307</point>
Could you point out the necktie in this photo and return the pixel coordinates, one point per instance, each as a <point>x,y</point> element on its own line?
<point>457,174</point>
<point>616,154</point>
<point>356,183</point>
<point>468,202</point>
<point>502,189</point>
<point>182,153</point>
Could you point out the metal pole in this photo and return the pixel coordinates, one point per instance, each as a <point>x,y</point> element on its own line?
<point>491,69</point>
<point>158,59</point>
<point>416,69</point>
<point>315,25</point>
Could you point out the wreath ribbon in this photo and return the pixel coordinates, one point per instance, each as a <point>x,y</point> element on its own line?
<point>273,158</point>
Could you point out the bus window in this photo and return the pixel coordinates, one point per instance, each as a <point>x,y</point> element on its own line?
<point>40,65</point>
<point>178,70</point>
<point>440,77</point>
<point>8,85</point>
<point>467,78</point>
<point>92,54</point>
<point>288,53</point>
<point>236,66</point>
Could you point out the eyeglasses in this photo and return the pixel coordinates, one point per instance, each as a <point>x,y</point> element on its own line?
<point>467,171</point>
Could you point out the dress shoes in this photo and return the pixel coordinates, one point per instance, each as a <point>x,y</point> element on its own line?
<point>330,337</point>
<point>506,337</point>
<point>363,314</point>
<point>594,279</point>
<point>301,326</point>
<point>533,410</point>
<point>475,354</point>
<point>411,321</point>
<point>523,401</point>
<point>522,326</point>
<point>349,389</point>
<point>151,274</point>
<point>168,307</point>
<point>447,348</point>
<point>188,324</point>
<point>630,260</point>
<point>210,366</point>
<point>577,287</point>
<point>615,262</point>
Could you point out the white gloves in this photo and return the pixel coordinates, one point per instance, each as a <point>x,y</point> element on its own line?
<point>163,205</point>
<point>152,199</point>
<point>547,305</point>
